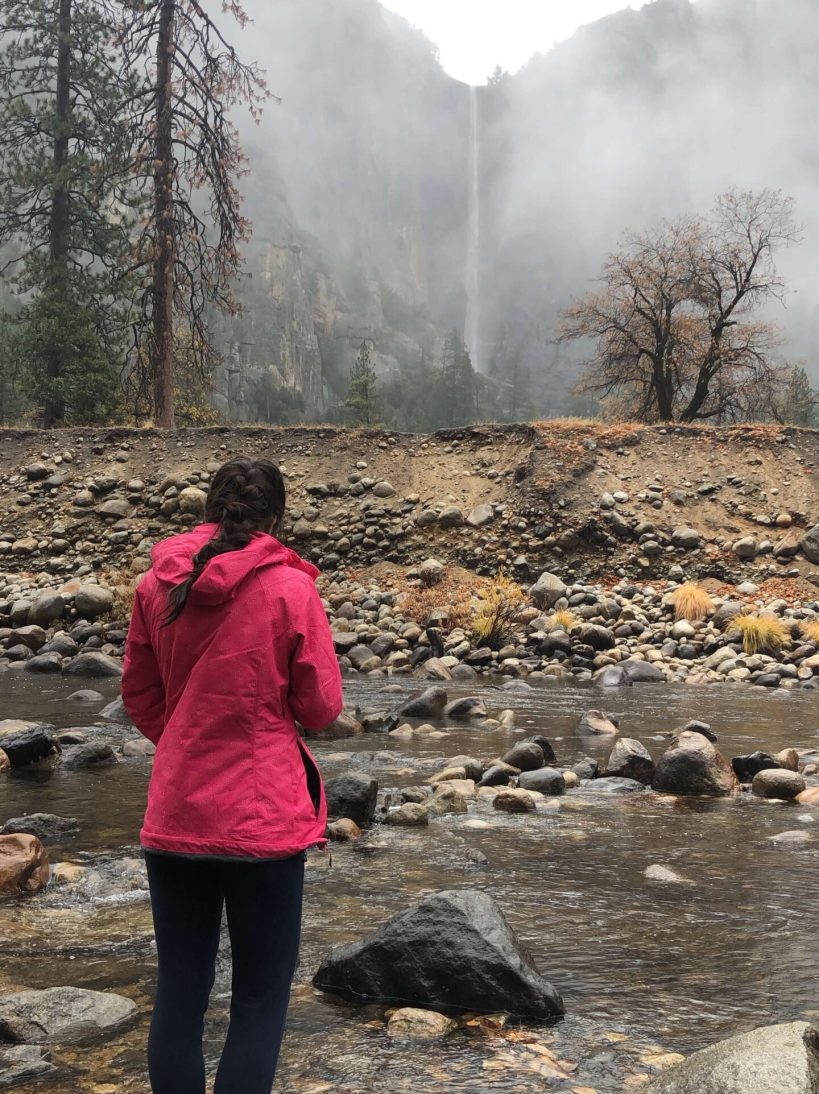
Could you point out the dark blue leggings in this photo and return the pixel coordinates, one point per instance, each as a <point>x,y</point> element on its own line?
<point>263,902</point>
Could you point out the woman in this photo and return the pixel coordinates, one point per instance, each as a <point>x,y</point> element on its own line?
<point>229,647</point>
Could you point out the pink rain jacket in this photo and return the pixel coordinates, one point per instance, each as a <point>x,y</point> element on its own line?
<point>219,693</point>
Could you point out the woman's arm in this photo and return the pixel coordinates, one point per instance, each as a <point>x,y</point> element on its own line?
<point>315,694</point>
<point>142,690</point>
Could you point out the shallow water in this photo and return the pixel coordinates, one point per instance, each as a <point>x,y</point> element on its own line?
<point>643,967</point>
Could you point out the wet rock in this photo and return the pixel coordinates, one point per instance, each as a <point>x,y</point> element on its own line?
<point>692,765</point>
<point>352,795</point>
<point>664,875</point>
<point>422,1025</point>
<point>94,665</point>
<point>701,727</point>
<point>139,748</point>
<point>47,827</point>
<point>26,743</point>
<point>23,866</point>
<point>614,785</point>
<point>409,815</point>
<point>116,712</point>
<point>780,1059</point>
<point>788,758</point>
<point>343,831</point>
<point>462,709</point>
<point>64,1016</point>
<point>45,663</point>
<point>782,784</point>
<point>92,601</point>
<point>86,695</point>
<point>429,704</point>
<point>346,725</point>
<point>525,756</point>
<point>746,768</point>
<point>453,952</point>
<point>5,762</point>
<point>93,754</point>
<point>547,590</point>
<point>435,669</point>
<point>472,768</point>
<point>498,774</point>
<point>809,796</point>
<point>446,799</point>
<point>546,781</point>
<point>630,759</point>
<point>587,768</point>
<point>514,801</point>
<point>595,723</point>
<point>545,745</point>
<point>22,1064</point>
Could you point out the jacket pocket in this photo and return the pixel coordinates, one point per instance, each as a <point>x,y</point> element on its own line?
<point>313,776</point>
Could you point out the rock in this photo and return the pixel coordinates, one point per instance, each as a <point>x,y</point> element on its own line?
<point>480,516</point>
<point>614,785</point>
<point>545,745</point>
<point>93,754</point>
<point>746,548</point>
<point>746,768</point>
<point>344,726</point>
<point>630,672</point>
<point>525,756</point>
<point>26,743</point>
<point>114,508</point>
<point>115,712</point>
<point>23,1064</point>
<point>595,723</point>
<point>86,695</point>
<point>599,638</point>
<point>809,796</point>
<point>435,669</point>
<point>546,781</point>
<point>686,538</point>
<point>92,601</point>
<point>788,758</point>
<point>47,609</point>
<point>23,866</point>
<point>94,665</point>
<point>363,659</point>
<point>498,774</point>
<point>47,827</point>
<point>664,875</point>
<point>692,765</point>
<point>453,952</point>
<point>810,544</point>
<point>587,768</point>
<point>514,801</point>
<point>630,759</point>
<point>451,517</point>
<point>461,709</point>
<point>782,784</point>
<point>45,663</point>
<point>547,590</point>
<point>5,762</point>
<point>429,704</point>
<point>343,831</point>
<point>703,728</point>
<point>139,748</point>
<point>432,571</point>
<point>424,1025</point>
<point>192,501</point>
<point>446,799</point>
<point>780,1059</point>
<point>65,1016</point>
<point>408,815</point>
<point>796,838</point>
<point>353,796</point>
<point>384,489</point>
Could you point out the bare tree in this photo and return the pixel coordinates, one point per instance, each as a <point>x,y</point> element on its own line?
<point>673,322</point>
<point>189,156</point>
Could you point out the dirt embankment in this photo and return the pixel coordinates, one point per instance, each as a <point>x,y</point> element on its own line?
<point>586,500</point>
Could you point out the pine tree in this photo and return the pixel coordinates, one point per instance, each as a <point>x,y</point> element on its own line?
<point>63,187</point>
<point>362,399</point>
<point>189,158</point>
<point>800,400</point>
<point>458,387</point>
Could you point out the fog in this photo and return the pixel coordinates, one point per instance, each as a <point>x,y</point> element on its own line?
<point>364,168</point>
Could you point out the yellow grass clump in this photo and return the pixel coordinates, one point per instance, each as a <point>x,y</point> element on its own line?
<point>449,594</point>
<point>810,630</point>
<point>759,633</point>
<point>563,620</point>
<point>691,602</point>
<point>495,611</point>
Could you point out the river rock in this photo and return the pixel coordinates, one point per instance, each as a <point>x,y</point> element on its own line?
<point>451,952</point>
<point>788,758</point>
<point>23,1064</point>
<point>87,695</point>
<point>44,663</point>
<point>23,866</point>
<point>93,664</point>
<point>47,609</point>
<point>809,796</point>
<point>613,784</point>
<point>701,727</point>
<point>64,1016</point>
<point>810,544</point>
<point>352,795</point>
<point>462,709</point>
<point>26,743</point>
<point>781,1059</point>
<point>429,704</point>
<point>343,831</point>
<point>782,784</point>
<point>546,781</point>
<point>514,801</point>
<point>115,712</point>
<point>93,754</point>
<point>408,815</point>
<point>422,1025</point>
<point>746,768</point>
<point>192,501</point>
<point>630,759</point>
<point>692,765</point>
<point>47,827</point>
<point>595,723</point>
<point>547,590</point>
<point>630,672</point>
<point>92,601</point>
<point>525,756</point>
<point>498,774</point>
<point>664,875</point>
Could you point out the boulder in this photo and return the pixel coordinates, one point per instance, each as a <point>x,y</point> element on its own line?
<point>630,759</point>
<point>408,815</point>
<point>525,756</point>
<point>809,796</point>
<point>595,723</point>
<point>613,784</point>
<point>780,1059</point>
<point>65,1016</point>
<point>782,784</point>
<point>423,1025</point>
<point>547,590</point>
<point>810,544</point>
<point>514,801</point>
<point>546,781</point>
<point>746,768</point>
<point>587,768</point>
<point>462,709</point>
<point>47,609</point>
<point>92,601</point>
<point>429,704</point>
<point>599,638</point>
<point>47,827</point>
<point>93,664</point>
<point>344,726</point>
<point>498,774</point>
<point>23,1064</point>
<point>343,831</point>
<point>480,516</point>
<point>451,517</point>
<point>114,711</point>
<point>630,672</point>
<point>688,539</point>
<point>26,743</point>
<point>546,747</point>
<point>692,765</point>
<point>703,728</point>
<point>93,754</point>
<point>352,795</point>
<point>451,952</point>
<point>192,501</point>
<point>23,866</point>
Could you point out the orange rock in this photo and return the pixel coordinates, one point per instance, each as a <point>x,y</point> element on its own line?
<point>809,796</point>
<point>23,865</point>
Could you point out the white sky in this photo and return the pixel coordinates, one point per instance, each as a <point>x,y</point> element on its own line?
<point>474,36</point>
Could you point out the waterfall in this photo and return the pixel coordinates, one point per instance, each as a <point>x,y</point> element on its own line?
<point>472,329</point>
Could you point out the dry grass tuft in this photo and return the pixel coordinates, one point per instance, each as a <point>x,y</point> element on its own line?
<point>496,611</point>
<point>452,594</point>
<point>563,621</point>
<point>123,604</point>
<point>691,602</point>
<point>759,633</point>
<point>810,630</point>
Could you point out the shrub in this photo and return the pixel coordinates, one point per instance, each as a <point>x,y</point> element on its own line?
<point>450,594</point>
<point>759,633</point>
<point>563,621</point>
<point>810,630</point>
<point>496,610</point>
<point>691,602</point>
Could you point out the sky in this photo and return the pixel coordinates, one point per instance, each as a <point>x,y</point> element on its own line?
<point>474,36</point>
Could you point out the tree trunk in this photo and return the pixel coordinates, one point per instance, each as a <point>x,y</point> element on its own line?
<point>59,225</point>
<point>162,364</point>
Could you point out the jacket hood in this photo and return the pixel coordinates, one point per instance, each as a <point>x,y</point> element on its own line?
<point>173,562</point>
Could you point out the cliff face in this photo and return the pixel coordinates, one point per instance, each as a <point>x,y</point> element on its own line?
<point>360,181</point>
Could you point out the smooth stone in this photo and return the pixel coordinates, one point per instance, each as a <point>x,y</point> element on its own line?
<point>424,1025</point>
<point>782,784</point>
<point>23,867</point>
<point>352,795</point>
<point>63,1015</point>
<point>47,827</point>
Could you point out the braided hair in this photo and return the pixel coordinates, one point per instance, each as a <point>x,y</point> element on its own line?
<point>246,497</point>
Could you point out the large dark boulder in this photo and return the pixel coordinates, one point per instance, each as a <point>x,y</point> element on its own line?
<point>429,704</point>
<point>546,781</point>
<point>452,952</point>
<point>746,768</point>
<point>525,756</point>
<point>352,795</point>
<point>692,765</point>
<point>772,1060</point>
<point>630,759</point>
<point>630,672</point>
<point>25,742</point>
<point>47,827</point>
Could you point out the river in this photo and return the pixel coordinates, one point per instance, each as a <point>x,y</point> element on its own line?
<point>644,968</point>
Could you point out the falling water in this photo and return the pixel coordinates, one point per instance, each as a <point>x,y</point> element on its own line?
<point>473,258</point>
